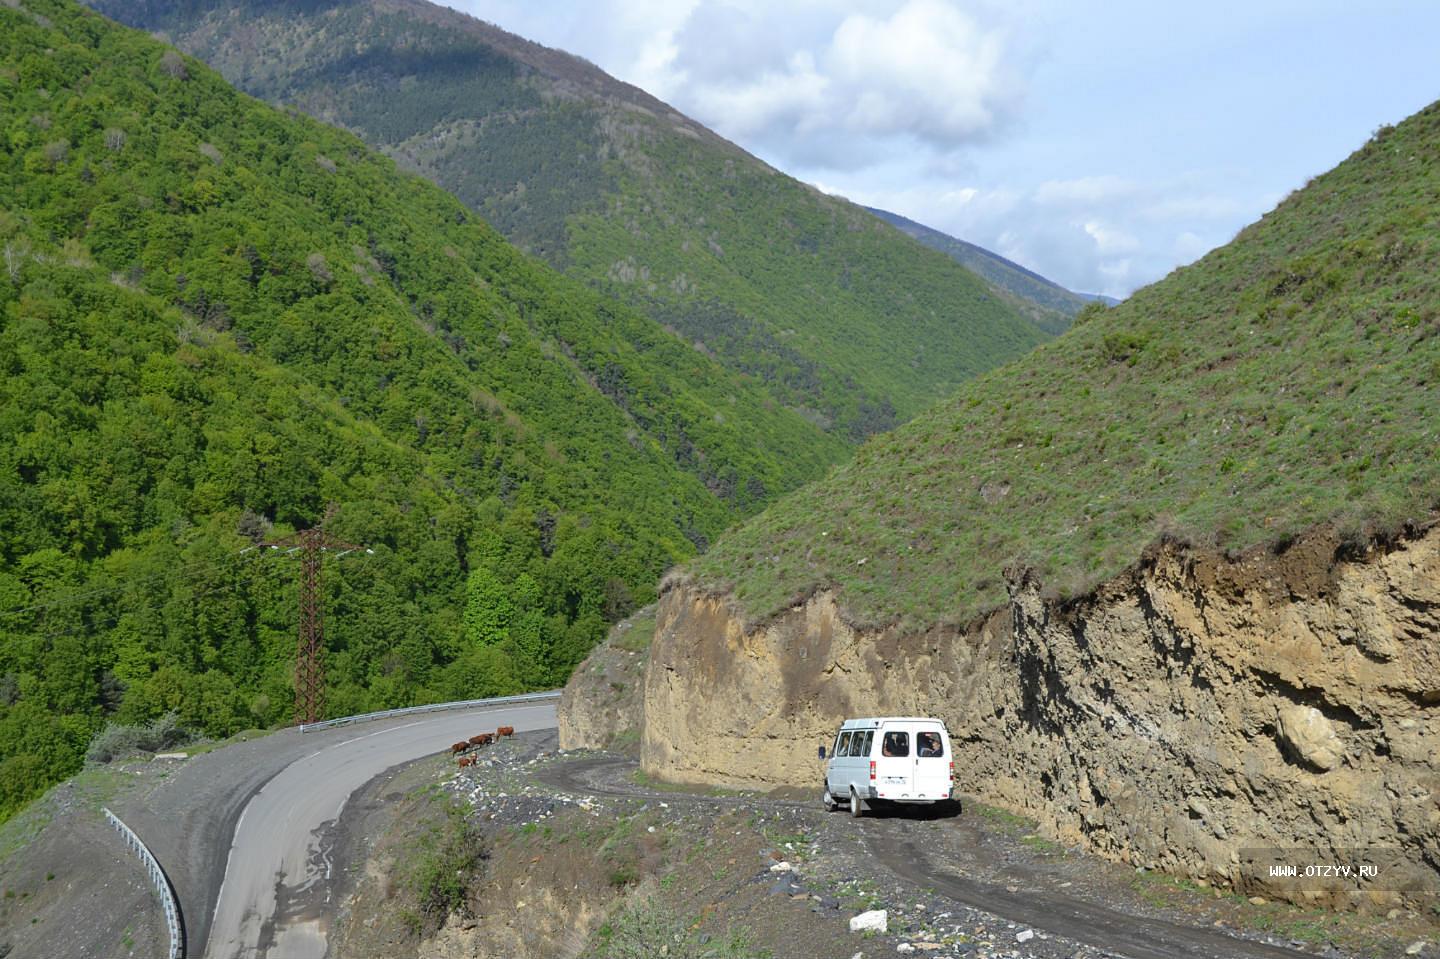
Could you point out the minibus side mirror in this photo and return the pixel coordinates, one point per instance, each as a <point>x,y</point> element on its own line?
<point>822,752</point>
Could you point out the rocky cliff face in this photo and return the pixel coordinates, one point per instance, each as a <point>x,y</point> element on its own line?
<point>1188,711</point>
<point>602,706</point>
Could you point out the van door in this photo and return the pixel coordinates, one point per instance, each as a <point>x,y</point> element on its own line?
<point>835,771</point>
<point>860,768</point>
<point>930,778</point>
<point>894,764</point>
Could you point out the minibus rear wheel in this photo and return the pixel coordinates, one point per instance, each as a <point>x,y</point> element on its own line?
<point>856,807</point>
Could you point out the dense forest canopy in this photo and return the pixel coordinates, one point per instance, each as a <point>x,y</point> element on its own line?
<point>217,319</point>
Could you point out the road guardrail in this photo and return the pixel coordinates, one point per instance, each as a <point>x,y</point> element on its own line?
<point>168,902</point>
<point>433,708</point>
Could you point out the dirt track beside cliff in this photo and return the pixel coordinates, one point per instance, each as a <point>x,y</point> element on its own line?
<point>992,877</point>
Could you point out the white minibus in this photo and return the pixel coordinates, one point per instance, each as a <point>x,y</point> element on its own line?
<point>902,759</point>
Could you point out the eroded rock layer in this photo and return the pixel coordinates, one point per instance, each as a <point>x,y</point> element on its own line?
<point>1188,711</point>
<point>601,707</point>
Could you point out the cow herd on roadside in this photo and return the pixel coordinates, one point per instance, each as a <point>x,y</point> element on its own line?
<point>475,742</point>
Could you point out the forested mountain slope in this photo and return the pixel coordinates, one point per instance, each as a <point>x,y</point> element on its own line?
<point>1048,304</point>
<point>216,319</point>
<point>837,314</point>
<point>1288,379</point>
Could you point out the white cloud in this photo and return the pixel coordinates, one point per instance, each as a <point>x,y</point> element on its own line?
<point>930,70</point>
<point>1109,240</point>
<point>843,90</point>
<point>1199,206</point>
<point>793,97</point>
<point>654,68</point>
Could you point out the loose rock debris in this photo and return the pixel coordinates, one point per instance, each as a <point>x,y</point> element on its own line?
<point>813,858</point>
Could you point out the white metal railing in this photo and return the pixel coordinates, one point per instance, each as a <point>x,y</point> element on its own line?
<point>434,708</point>
<point>160,881</point>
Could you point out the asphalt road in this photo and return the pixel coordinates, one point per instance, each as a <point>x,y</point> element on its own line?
<point>274,900</point>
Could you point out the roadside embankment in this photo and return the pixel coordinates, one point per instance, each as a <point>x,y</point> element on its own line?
<point>554,872</point>
<point>603,705</point>
<point>1194,708</point>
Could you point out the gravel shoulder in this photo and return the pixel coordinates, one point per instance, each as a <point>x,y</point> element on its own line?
<point>60,859</point>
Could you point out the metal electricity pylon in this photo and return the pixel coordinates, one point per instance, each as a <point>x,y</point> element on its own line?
<point>312,545</point>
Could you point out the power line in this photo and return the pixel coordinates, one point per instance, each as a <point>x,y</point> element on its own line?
<point>201,592</point>
<point>312,544</point>
<point>74,597</point>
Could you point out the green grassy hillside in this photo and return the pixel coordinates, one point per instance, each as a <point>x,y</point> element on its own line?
<point>217,318</point>
<point>1290,378</point>
<point>1048,304</point>
<point>836,314</point>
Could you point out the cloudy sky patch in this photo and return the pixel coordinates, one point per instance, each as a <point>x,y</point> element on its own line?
<point>1100,143</point>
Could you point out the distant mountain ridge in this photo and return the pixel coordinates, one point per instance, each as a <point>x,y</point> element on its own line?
<point>806,294</point>
<point>1041,298</point>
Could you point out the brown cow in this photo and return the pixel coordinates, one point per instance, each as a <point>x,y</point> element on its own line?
<point>459,747</point>
<point>464,761</point>
<point>482,739</point>
<point>504,731</point>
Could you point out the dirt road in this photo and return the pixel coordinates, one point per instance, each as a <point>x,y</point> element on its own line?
<point>902,844</point>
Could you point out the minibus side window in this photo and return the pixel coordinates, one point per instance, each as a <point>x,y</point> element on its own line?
<point>842,748</point>
<point>865,742</point>
<point>896,744</point>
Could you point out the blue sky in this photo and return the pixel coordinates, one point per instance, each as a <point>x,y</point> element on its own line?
<point>1099,143</point>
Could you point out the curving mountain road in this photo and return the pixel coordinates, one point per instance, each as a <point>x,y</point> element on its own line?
<point>274,804</point>
<point>275,897</point>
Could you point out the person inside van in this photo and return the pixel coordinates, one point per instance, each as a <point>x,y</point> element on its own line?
<point>896,744</point>
<point>928,744</point>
